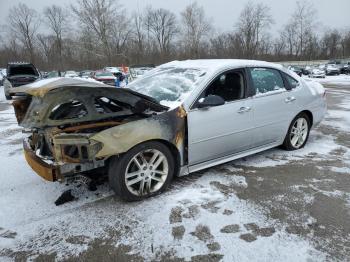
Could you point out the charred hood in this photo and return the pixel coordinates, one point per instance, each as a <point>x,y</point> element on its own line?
<point>77,102</point>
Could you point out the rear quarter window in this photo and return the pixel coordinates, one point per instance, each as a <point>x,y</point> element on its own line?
<point>293,83</point>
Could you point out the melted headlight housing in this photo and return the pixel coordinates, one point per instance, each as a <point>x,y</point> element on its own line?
<point>75,148</point>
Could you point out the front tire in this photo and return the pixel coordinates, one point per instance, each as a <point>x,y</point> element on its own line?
<point>298,133</point>
<point>144,171</point>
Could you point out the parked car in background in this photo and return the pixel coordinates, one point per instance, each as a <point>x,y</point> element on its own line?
<point>334,62</point>
<point>3,71</point>
<point>70,74</point>
<point>54,74</point>
<point>344,68</point>
<point>180,118</point>
<point>307,70</point>
<point>2,76</point>
<point>43,74</point>
<point>105,77</point>
<point>111,69</point>
<point>86,74</point>
<point>137,71</point>
<point>19,73</point>
<point>332,69</point>
<point>322,67</point>
<point>317,73</point>
<point>296,69</point>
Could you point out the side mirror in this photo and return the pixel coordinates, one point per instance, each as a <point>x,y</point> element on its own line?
<point>210,101</point>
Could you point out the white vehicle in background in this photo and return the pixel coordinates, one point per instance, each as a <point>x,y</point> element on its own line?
<point>332,69</point>
<point>1,76</point>
<point>317,73</point>
<point>111,69</point>
<point>136,71</point>
<point>322,67</point>
<point>71,74</point>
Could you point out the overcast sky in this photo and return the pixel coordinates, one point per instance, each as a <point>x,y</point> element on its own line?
<point>331,13</point>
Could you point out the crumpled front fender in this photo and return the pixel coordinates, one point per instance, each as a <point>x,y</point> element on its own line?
<point>169,126</point>
<point>121,138</point>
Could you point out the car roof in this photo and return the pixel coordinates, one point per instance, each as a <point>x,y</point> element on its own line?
<point>217,64</point>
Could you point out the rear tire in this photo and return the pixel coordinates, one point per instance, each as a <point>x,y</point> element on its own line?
<point>298,133</point>
<point>144,171</point>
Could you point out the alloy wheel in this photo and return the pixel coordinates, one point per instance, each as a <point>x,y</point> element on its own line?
<point>146,172</point>
<point>299,132</point>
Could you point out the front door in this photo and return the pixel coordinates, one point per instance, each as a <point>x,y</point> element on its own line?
<point>221,130</point>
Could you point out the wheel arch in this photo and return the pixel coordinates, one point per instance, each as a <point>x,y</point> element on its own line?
<point>173,149</point>
<point>310,116</point>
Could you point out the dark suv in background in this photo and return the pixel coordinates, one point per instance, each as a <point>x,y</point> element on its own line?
<point>19,73</point>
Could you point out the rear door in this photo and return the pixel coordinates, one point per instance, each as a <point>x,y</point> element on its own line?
<point>274,105</point>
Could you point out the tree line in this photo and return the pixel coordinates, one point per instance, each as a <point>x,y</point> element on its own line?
<point>91,34</point>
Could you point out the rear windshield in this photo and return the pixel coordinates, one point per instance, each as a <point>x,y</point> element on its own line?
<point>22,70</point>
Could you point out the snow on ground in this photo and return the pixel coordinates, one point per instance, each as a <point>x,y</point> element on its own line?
<point>318,147</point>
<point>341,80</point>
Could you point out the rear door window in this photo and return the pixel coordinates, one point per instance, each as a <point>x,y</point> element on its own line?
<point>266,80</point>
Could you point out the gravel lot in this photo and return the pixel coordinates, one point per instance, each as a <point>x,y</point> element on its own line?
<point>273,206</point>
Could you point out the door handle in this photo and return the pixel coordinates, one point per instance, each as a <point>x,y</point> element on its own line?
<point>290,99</point>
<point>244,109</point>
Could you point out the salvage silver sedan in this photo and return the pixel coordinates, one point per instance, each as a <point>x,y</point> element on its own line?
<point>179,118</point>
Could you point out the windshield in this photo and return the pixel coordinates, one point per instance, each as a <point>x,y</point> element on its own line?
<point>169,86</point>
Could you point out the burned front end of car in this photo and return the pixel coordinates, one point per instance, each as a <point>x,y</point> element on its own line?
<point>62,124</point>
<point>60,156</point>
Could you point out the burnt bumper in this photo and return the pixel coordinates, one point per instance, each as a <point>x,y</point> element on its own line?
<point>47,171</point>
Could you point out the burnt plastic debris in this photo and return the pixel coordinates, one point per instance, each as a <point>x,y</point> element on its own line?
<point>64,198</point>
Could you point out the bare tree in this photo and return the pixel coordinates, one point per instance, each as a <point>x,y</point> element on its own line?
<point>46,44</point>
<point>289,37</point>
<point>139,35</point>
<point>303,20</point>
<point>23,23</point>
<point>121,34</point>
<point>331,43</point>
<point>345,44</point>
<point>57,20</point>
<point>195,27</point>
<point>161,23</point>
<point>252,24</point>
<point>99,17</point>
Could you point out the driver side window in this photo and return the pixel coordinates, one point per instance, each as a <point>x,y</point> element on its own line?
<point>230,86</point>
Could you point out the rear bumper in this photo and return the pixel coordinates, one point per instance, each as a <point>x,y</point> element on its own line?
<point>47,171</point>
